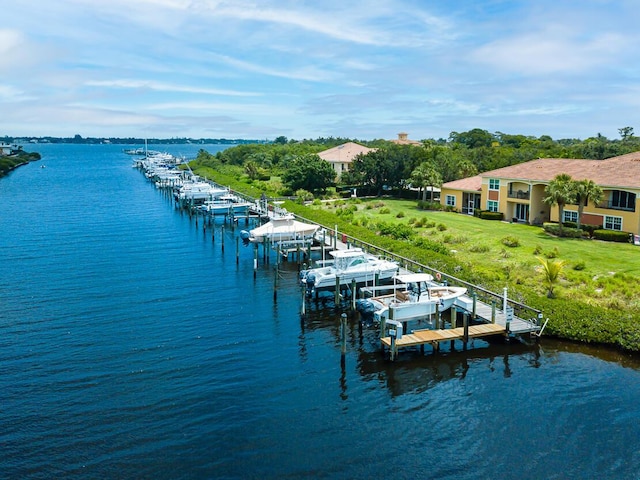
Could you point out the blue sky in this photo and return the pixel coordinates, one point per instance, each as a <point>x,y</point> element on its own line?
<point>308,69</point>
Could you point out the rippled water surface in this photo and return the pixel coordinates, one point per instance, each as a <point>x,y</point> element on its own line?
<point>133,346</point>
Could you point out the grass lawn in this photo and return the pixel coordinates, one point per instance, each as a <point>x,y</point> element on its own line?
<point>596,272</point>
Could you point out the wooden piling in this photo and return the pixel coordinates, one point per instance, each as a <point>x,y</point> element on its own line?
<point>337,291</point>
<point>275,284</point>
<point>237,250</point>
<point>353,295</point>
<point>343,334</point>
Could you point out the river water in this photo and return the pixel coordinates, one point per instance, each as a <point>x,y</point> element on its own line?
<point>133,346</point>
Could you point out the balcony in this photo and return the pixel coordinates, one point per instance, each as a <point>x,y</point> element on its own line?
<point>616,206</point>
<point>520,194</point>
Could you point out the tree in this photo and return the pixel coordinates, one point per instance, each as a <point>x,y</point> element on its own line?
<point>309,172</point>
<point>586,191</point>
<point>552,271</point>
<point>626,133</point>
<point>560,191</point>
<point>376,169</point>
<point>425,175</point>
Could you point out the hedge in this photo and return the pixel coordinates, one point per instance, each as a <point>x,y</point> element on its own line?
<point>611,236</point>
<point>487,215</point>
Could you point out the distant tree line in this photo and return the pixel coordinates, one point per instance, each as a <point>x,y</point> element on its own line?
<point>78,139</point>
<point>393,167</point>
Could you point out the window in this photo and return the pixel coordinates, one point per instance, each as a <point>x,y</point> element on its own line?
<point>570,216</point>
<point>492,205</point>
<point>623,200</point>
<point>451,200</point>
<point>494,184</point>
<point>612,223</point>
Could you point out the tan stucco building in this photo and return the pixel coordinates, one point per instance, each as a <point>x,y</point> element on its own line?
<point>340,157</point>
<point>518,191</point>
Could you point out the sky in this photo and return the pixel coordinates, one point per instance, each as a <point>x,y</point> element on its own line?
<point>325,68</point>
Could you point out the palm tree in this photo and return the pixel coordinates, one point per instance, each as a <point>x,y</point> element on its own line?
<point>425,175</point>
<point>552,271</point>
<point>560,191</point>
<point>586,191</point>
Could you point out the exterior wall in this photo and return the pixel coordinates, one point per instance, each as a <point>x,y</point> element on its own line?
<point>456,193</point>
<point>514,192</point>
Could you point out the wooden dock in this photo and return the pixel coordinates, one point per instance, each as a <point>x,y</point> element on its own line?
<point>419,338</point>
<point>427,336</point>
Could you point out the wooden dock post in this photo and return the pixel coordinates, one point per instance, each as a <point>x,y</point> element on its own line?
<point>475,303</point>
<point>255,260</point>
<point>353,295</point>
<point>337,291</point>
<point>304,302</point>
<point>493,311</point>
<point>222,238</point>
<point>275,284</point>
<point>343,334</point>
<point>465,325</point>
<point>237,250</point>
<point>436,345</point>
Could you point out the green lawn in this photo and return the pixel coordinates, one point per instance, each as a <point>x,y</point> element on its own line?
<point>596,272</point>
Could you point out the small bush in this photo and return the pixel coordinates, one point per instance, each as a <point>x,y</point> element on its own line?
<point>611,236</point>
<point>554,229</point>
<point>400,215</point>
<point>487,215</point>
<point>511,241</point>
<point>384,211</point>
<point>555,253</point>
<point>537,250</point>
<point>579,265</point>
<point>441,227</point>
<point>479,249</point>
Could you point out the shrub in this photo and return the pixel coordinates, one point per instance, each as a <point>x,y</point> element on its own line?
<point>554,229</point>
<point>537,250</point>
<point>431,245</point>
<point>487,215</point>
<point>555,253</point>
<point>396,231</point>
<point>479,249</point>
<point>427,205</point>
<point>511,241</point>
<point>400,215</point>
<point>580,265</point>
<point>611,236</point>
<point>442,227</point>
<point>384,210</point>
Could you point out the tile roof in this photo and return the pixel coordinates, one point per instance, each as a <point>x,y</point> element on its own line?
<point>622,171</point>
<point>344,153</point>
<point>470,184</point>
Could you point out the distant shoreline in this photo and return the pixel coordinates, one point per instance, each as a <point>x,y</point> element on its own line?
<point>10,163</point>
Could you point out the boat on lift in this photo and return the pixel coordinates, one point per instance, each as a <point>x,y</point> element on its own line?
<point>348,265</point>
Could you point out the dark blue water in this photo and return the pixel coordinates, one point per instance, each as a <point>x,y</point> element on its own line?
<point>132,346</point>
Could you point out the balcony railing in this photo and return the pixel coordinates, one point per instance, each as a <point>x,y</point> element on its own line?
<point>612,206</point>
<point>520,194</point>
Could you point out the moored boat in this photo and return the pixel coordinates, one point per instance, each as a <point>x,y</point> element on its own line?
<point>348,265</point>
<point>280,229</point>
<point>415,296</point>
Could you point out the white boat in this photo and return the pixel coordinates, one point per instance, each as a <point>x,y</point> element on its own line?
<point>224,205</point>
<point>415,296</point>
<point>280,229</point>
<point>197,192</point>
<point>348,265</point>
